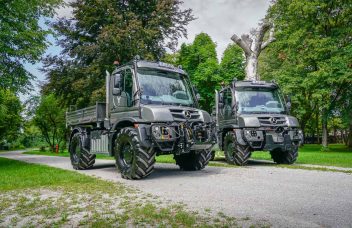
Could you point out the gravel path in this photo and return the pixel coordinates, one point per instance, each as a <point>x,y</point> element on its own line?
<point>282,197</point>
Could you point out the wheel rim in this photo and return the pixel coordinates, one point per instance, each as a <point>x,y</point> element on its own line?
<point>126,154</point>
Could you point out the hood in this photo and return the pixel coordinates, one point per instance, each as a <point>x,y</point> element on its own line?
<point>173,113</point>
<point>263,120</point>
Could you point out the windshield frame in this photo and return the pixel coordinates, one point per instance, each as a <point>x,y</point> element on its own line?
<point>182,77</point>
<point>280,99</point>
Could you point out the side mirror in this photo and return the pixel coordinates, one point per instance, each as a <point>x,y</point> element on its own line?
<point>288,98</point>
<point>116,91</point>
<point>198,96</point>
<point>288,104</point>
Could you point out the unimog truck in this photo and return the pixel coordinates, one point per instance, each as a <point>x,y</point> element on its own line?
<point>253,116</point>
<point>150,109</point>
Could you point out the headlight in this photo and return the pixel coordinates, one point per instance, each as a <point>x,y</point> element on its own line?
<point>162,132</point>
<point>292,121</point>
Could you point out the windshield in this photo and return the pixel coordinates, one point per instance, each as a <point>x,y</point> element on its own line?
<point>259,100</point>
<point>164,87</point>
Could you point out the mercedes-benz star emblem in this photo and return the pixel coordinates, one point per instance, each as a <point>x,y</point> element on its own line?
<point>187,114</point>
<point>273,120</point>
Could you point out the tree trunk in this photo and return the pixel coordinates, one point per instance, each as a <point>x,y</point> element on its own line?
<point>345,137</point>
<point>317,119</point>
<point>252,67</point>
<point>349,139</point>
<point>324,121</point>
<point>253,47</point>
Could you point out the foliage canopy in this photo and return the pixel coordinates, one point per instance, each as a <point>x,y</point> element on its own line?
<point>101,32</point>
<point>22,39</point>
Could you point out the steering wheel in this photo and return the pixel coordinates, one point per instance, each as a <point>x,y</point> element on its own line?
<point>272,104</point>
<point>182,95</point>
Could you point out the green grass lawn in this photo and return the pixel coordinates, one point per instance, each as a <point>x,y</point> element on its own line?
<point>34,195</point>
<point>338,155</point>
<point>16,175</point>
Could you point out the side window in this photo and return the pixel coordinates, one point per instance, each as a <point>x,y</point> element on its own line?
<point>227,100</point>
<point>128,81</point>
<point>117,80</point>
<point>127,87</point>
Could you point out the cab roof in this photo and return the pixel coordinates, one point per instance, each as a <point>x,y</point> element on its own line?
<point>260,84</point>
<point>154,65</point>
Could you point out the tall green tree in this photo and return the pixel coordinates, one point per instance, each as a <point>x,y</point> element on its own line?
<point>22,39</point>
<point>50,119</point>
<point>10,116</point>
<point>311,57</point>
<point>101,32</point>
<point>200,62</point>
<point>232,63</point>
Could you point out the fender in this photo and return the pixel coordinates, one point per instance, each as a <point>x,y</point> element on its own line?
<point>129,122</point>
<point>84,136</point>
<point>221,134</point>
<point>126,122</point>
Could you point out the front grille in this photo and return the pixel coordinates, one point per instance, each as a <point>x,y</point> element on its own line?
<point>179,115</point>
<point>272,121</point>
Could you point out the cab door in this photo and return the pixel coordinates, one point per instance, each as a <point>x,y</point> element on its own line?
<point>122,100</point>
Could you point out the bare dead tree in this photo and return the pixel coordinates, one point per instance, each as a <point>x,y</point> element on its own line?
<point>252,45</point>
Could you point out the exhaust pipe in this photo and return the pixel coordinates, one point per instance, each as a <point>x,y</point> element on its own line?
<point>107,95</point>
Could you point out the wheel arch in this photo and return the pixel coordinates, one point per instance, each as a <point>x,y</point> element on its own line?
<point>116,129</point>
<point>223,133</point>
<point>81,130</point>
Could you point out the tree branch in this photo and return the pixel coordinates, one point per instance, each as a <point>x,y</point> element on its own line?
<point>270,39</point>
<point>259,36</point>
<point>244,43</point>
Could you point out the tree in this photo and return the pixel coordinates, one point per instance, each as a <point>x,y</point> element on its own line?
<point>101,32</point>
<point>50,119</point>
<point>22,39</point>
<point>311,57</point>
<point>232,63</point>
<point>253,45</point>
<point>10,116</point>
<point>200,62</point>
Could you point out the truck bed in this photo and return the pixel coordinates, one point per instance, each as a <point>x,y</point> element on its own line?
<point>92,114</point>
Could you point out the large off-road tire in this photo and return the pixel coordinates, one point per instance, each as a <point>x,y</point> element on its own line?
<point>79,152</point>
<point>194,160</point>
<point>133,161</point>
<point>285,157</point>
<point>235,153</point>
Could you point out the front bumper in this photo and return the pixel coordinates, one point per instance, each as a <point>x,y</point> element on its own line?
<point>178,137</point>
<point>268,139</point>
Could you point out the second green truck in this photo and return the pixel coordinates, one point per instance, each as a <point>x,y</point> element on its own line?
<point>253,116</point>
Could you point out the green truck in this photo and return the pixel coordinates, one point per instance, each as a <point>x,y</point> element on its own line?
<point>253,116</point>
<point>151,109</point>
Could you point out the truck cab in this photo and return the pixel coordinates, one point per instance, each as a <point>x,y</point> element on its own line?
<point>253,116</point>
<point>151,109</point>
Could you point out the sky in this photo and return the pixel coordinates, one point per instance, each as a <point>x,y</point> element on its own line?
<point>218,18</point>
